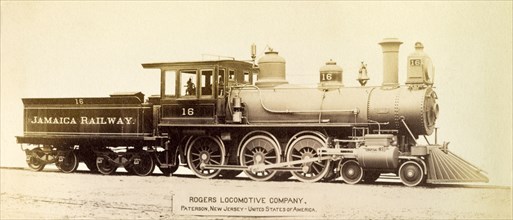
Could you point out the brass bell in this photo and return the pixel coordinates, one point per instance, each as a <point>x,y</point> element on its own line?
<point>362,75</point>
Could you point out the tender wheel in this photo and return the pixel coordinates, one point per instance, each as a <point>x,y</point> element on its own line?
<point>259,150</point>
<point>205,150</point>
<point>129,167</point>
<point>69,163</point>
<point>411,173</point>
<point>370,176</point>
<point>143,164</point>
<point>105,166</point>
<point>351,172</point>
<point>305,147</point>
<point>33,160</point>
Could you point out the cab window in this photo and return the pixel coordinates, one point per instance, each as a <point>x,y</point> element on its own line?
<point>188,81</point>
<point>255,78</point>
<point>247,77</point>
<point>220,82</point>
<point>231,75</point>
<point>170,83</point>
<point>207,80</point>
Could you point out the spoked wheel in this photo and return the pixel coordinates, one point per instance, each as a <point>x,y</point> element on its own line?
<point>305,147</point>
<point>33,160</point>
<point>104,165</point>
<point>68,163</point>
<point>370,176</point>
<point>259,150</point>
<point>411,173</point>
<point>143,164</point>
<point>205,150</point>
<point>351,172</point>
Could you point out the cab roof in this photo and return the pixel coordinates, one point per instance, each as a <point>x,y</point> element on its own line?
<point>193,64</point>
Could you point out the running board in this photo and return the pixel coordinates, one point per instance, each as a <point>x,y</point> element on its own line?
<point>447,167</point>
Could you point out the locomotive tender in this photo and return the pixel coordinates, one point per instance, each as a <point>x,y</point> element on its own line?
<point>212,117</point>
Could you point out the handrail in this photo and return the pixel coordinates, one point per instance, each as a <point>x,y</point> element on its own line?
<point>287,111</point>
<point>407,128</point>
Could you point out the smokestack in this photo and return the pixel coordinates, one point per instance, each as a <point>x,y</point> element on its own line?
<point>390,48</point>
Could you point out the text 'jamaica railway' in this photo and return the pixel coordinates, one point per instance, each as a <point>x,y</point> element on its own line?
<point>224,117</point>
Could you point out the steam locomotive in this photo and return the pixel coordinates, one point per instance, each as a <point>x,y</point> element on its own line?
<point>223,117</point>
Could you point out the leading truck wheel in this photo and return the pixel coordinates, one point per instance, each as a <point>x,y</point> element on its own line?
<point>411,173</point>
<point>304,148</point>
<point>259,150</point>
<point>203,151</point>
<point>68,163</point>
<point>143,164</point>
<point>33,160</point>
<point>351,172</point>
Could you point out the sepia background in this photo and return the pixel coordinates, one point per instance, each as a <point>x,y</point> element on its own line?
<point>93,49</point>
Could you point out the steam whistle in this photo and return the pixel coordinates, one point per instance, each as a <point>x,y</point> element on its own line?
<point>362,75</point>
<point>253,53</point>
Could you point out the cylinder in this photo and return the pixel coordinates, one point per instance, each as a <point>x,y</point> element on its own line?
<point>390,48</point>
<point>378,157</point>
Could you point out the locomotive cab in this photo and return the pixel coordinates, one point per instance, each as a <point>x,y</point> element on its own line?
<point>195,92</point>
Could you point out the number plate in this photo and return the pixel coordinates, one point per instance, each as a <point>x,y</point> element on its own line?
<point>415,62</point>
<point>181,111</point>
<point>327,77</point>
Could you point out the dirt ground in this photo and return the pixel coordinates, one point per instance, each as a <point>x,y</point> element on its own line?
<point>50,194</point>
